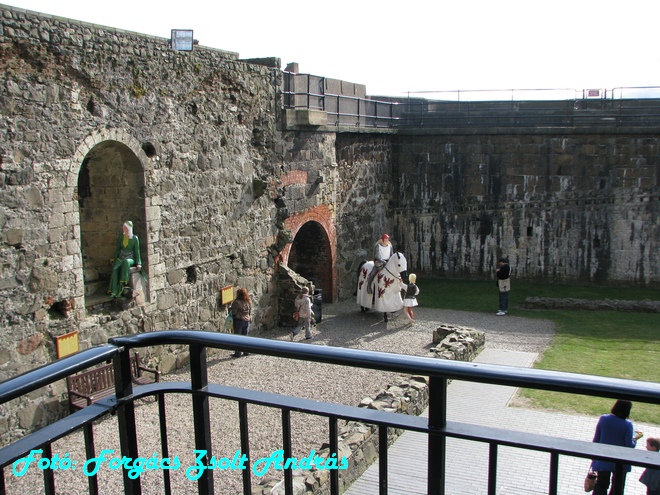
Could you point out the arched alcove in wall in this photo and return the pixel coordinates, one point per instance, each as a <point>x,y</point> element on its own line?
<point>110,191</point>
<point>311,257</point>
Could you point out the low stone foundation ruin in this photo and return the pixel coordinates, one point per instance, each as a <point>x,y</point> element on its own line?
<point>645,306</point>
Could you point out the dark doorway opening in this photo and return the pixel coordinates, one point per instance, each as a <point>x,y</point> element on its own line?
<point>311,257</point>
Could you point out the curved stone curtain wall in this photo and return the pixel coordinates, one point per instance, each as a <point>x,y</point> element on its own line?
<point>572,207</point>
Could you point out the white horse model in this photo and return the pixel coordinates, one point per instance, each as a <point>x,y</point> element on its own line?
<point>386,286</point>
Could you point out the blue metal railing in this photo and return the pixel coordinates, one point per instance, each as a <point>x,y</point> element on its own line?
<point>436,426</point>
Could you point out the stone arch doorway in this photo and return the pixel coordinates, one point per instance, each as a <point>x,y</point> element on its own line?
<point>110,191</point>
<point>311,257</point>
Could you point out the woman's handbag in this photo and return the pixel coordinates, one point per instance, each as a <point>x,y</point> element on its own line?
<point>296,315</point>
<point>229,322</point>
<point>590,481</point>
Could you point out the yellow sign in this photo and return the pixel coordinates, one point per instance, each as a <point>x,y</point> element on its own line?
<point>227,294</point>
<point>67,344</point>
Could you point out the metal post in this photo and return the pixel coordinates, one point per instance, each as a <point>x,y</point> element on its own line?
<point>286,443</point>
<point>437,448</point>
<point>618,480</point>
<point>245,446</point>
<point>492,469</point>
<point>49,478</point>
<point>437,443</point>
<point>334,449</point>
<point>201,415</point>
<point>554,473</point>
<point>126,417</point>
<point>90,452</point>
<point>163,442</point>
<point>382,460</point>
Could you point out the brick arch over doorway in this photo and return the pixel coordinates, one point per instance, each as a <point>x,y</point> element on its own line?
<point>313,252</point>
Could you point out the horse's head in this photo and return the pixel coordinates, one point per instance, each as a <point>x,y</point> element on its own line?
<point>398,264</point>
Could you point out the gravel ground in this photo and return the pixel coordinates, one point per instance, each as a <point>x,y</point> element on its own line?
<point>342,325</point>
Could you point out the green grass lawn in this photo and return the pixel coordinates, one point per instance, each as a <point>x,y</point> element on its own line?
<point>606,343</point>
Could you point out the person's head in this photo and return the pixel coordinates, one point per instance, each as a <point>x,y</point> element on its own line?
<point>305,291</point>
<point>621,408</point>
<point>412,278</point>
<point>242,294</point>
<point>653,443</point>
<point>502,261</point>
<point>127,228</point>
<point>385,238</point>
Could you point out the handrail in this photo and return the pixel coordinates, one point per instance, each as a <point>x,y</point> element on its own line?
<point>558,381</point>
<point>459,109</point>
<point>49,373</point>
<point>537,94</point>
<point>436,426</point>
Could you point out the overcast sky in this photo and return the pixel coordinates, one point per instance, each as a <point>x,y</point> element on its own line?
<point>426,45</point>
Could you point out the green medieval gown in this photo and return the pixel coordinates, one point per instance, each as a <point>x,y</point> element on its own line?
<point>126,255</point>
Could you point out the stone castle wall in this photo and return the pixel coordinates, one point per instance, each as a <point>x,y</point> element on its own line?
<point>559,205</point>
<point>100,125</point>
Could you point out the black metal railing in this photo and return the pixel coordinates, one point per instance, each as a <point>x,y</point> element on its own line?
<point>629,107</point>
<point>436,426</point>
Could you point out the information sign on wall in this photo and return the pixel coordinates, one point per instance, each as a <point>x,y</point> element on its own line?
<point>182,40</point>
<point>67,344</point>
<point>227,294</point>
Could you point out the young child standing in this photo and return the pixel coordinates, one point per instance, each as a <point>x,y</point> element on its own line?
<point>651,477</point>
<point>303,305</point>
<point>410,301</point>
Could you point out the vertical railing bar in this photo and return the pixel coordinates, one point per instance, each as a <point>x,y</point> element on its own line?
<point>163,442</point>
<point>554,473</point>
<point>49,477</point>
<point>90,452</point>
<point>382,460</point>
<point>245,446</point>
<point>334,449</point>
<point>126,417</point>
<point>3,487</point>
<point>286,445</point>
<point>618,481</point>
<point>201,415</point>
<point>492,468</point>
<point>437,444</point>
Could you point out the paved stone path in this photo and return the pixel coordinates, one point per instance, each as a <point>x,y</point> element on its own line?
<point>519,472</point>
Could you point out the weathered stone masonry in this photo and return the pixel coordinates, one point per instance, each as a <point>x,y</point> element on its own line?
<point>562,204</point>
<point>99,125</point>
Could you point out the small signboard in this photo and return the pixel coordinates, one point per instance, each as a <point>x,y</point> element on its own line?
<point>227,294</point>
<point>67,344</point>
<point>182,40</point>
<point>593,93</point>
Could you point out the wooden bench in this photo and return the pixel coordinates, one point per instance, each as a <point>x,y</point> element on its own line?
<point>91,385</point>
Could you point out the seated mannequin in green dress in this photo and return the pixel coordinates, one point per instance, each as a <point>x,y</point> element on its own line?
<point>126,255</point>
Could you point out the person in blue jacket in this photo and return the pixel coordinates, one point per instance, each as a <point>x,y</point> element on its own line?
<point>613,429</point>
